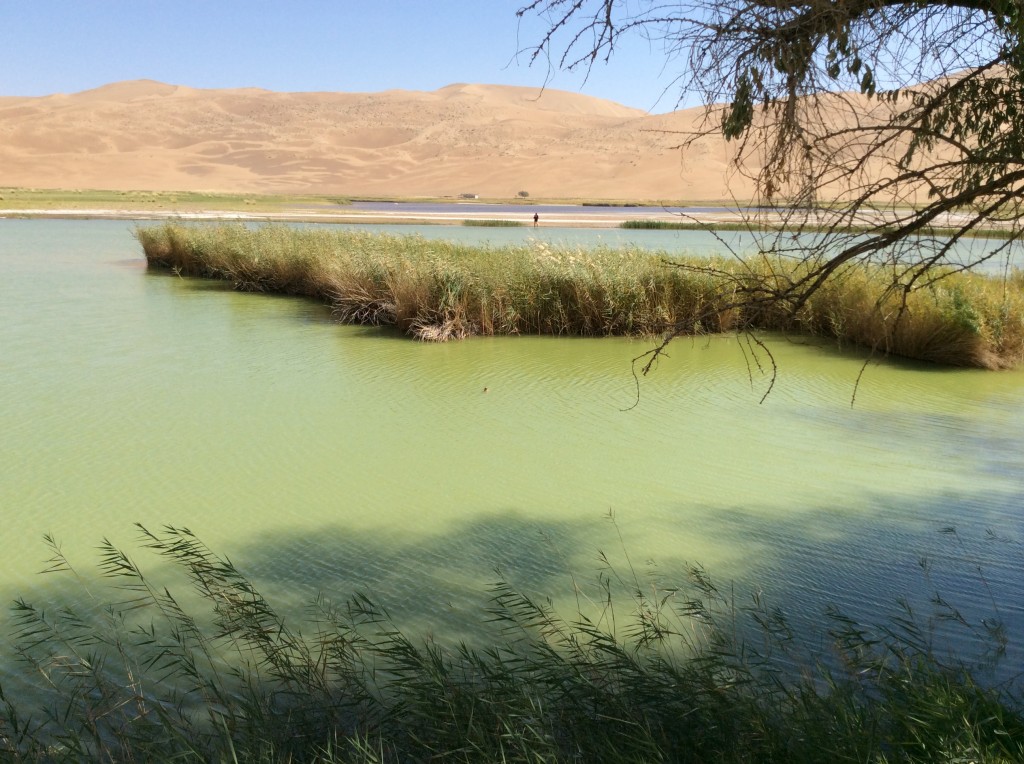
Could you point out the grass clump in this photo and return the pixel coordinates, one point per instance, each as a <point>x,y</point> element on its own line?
<point>682,225</point>
<point>437,290</point>
<point>690,674</point>
<point>662,225</point>
<point>963,320</point>
<point>496,223</point>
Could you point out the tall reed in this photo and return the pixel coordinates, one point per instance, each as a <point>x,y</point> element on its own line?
<point>692,674</point>
<point>438,290</point>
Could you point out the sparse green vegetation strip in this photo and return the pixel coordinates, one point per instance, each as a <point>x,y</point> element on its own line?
<point>690,674</point>
<point>437,290</point>
<point>75,199</point>
<point>140,199</point>
<point>680,225</point>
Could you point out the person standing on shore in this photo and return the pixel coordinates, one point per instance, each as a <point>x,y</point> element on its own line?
<point>536,219</point>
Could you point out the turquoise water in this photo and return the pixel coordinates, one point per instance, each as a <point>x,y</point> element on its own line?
<point>329,458</point>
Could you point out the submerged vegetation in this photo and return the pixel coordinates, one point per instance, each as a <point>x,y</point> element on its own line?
<point>681,673</point>
<point>437,290</point>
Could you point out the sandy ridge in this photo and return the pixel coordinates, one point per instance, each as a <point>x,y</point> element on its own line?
<point>483,139</point>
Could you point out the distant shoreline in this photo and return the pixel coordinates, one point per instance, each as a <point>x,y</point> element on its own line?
<point>573,217</point>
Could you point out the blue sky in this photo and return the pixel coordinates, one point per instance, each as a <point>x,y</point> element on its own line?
<point>63,46</point>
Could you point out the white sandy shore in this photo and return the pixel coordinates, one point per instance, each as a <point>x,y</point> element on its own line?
<point>572,217</point>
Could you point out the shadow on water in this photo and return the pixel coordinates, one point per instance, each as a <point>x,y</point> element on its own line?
<point>956,585</point>
<point>438,585</point>
<point>866,568</point>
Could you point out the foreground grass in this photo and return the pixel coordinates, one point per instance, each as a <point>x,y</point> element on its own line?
<point>689,675</point>
<point>436,290</point>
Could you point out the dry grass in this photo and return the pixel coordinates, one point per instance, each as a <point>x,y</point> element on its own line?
<point>438,290</point>
<point>442,290</point>
<point>960,320</point>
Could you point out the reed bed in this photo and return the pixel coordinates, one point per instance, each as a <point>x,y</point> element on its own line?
<point>437,290</point>
<point>127,673</point>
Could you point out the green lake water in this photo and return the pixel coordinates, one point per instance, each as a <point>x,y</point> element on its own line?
<point>329,458</point>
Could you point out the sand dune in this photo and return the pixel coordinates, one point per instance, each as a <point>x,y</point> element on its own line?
<point>482,139</point>
<point>489,140</point>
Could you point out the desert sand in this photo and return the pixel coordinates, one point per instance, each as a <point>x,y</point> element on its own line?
<point>494,141</point>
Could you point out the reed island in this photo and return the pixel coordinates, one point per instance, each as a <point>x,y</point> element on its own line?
<point>438,290</point>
